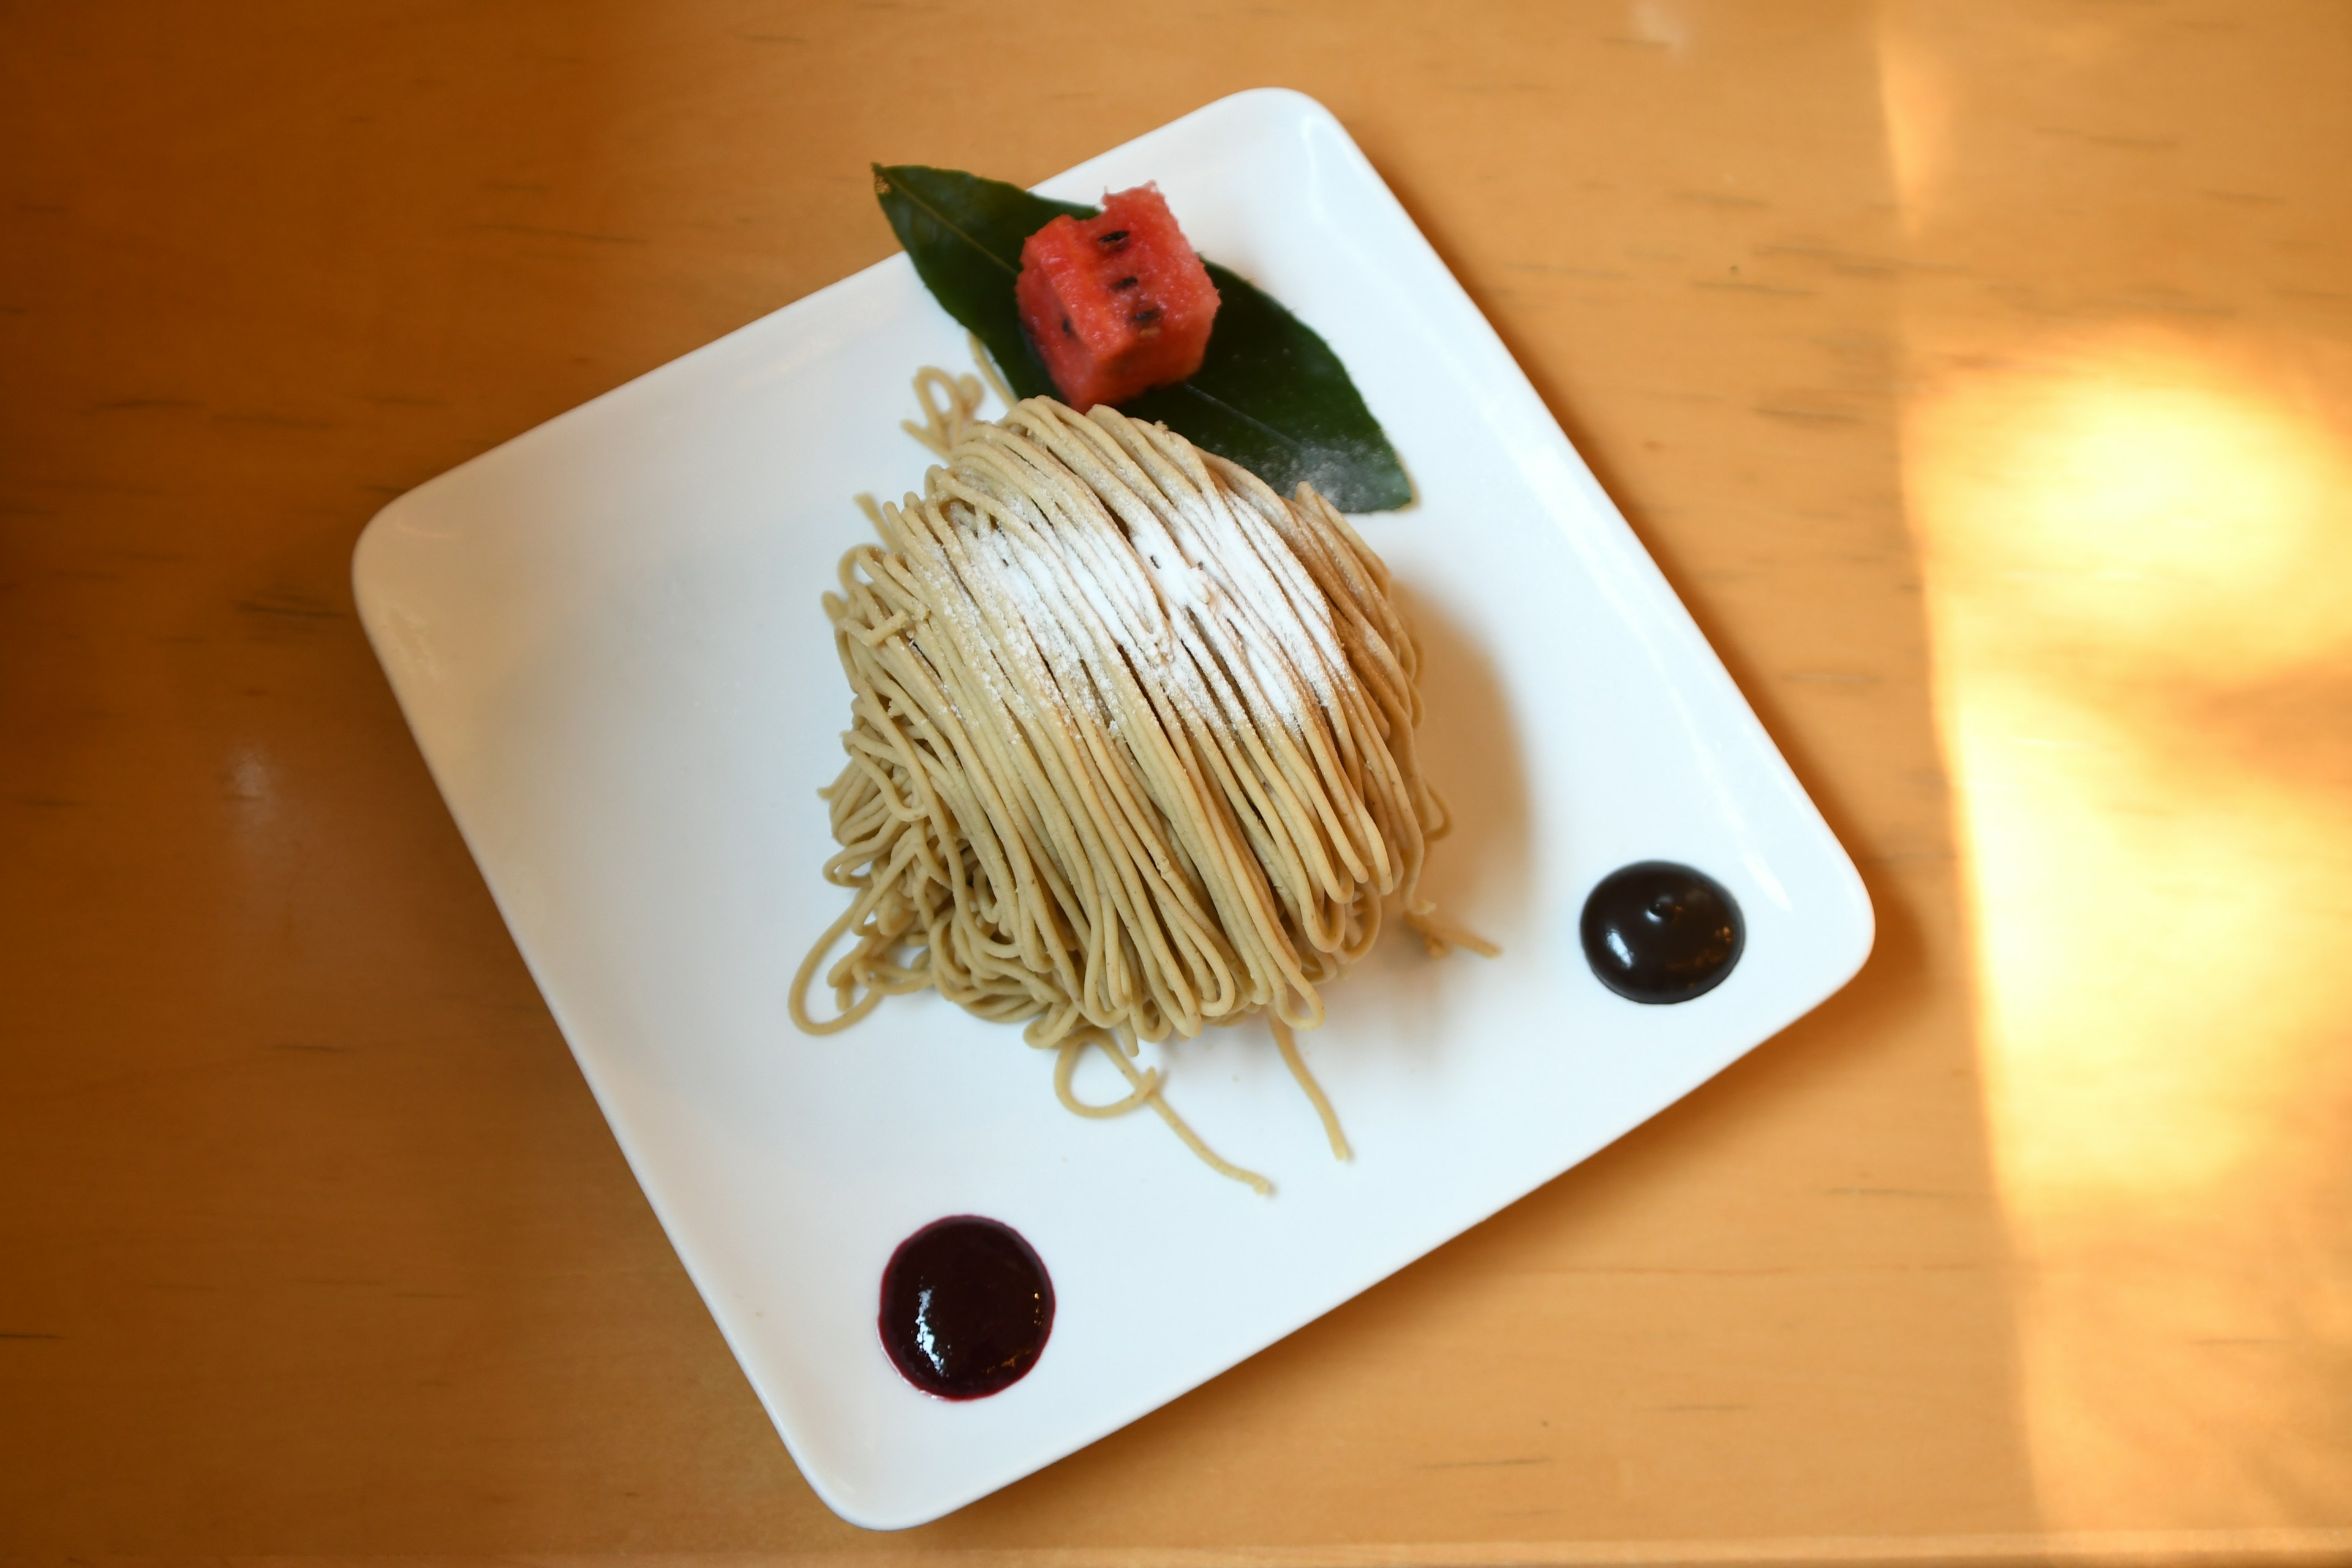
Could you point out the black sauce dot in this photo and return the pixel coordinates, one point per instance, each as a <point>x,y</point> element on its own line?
<point>1655,932</point>
<point>966,1308</point>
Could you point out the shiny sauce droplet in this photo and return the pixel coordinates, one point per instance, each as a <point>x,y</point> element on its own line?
<point>966,1308</point>
<point>1655,932</point>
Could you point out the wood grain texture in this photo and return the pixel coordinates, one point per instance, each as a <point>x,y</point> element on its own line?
<point>316,1245</point>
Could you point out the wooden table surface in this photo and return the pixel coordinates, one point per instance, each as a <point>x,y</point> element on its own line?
<point>1980,375</point>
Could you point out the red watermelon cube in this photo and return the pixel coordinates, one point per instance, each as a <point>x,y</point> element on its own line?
<point>1116,304</point>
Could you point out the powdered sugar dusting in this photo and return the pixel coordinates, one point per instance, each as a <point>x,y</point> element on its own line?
<point>1214,601</point>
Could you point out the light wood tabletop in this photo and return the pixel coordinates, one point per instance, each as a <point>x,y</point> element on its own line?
<point>1981,377</point>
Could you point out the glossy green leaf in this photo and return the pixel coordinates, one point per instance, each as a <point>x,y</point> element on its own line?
<point>1271,396</point>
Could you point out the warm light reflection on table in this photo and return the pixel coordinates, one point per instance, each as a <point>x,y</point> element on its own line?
<point>2124,541</point>
<point>2134,521</point>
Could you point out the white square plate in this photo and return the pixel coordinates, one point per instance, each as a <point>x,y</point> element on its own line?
<point>606,635</point>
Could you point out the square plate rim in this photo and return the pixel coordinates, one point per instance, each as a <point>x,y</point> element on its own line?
<point>1544,429</point>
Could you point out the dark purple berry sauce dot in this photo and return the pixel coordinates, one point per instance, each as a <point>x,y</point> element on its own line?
<point>1655,932</point>
<point>966,1308</point>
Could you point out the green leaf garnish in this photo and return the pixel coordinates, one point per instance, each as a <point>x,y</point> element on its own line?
<point>1271,396</point>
